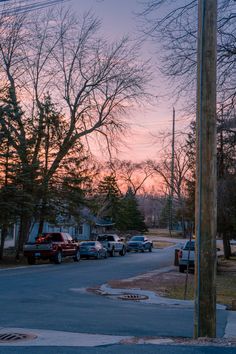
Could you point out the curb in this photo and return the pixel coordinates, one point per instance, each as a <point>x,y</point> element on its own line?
<point>60,338</point>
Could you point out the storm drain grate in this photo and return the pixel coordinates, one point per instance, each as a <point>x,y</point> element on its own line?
<point>15,337</point>
<point>133,297</point>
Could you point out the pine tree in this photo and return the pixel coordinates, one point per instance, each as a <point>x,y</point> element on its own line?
<point>129,216</point>
<point>226,190</point>
<point>108,197</point>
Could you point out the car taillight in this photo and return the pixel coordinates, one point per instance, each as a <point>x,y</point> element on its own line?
<point>180,253</point>
<point>93,249</point>
<point>54,247</point>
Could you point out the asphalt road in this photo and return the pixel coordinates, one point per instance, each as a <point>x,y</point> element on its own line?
<point>121,349</point>
<point>54,297</point>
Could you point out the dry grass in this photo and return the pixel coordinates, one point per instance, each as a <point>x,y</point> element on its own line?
<point>10,261</point>
<point>163,233</point>
<point>162,244</point>
<point>172,284</point>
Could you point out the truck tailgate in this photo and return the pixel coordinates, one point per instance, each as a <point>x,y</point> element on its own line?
<point>37,247</point>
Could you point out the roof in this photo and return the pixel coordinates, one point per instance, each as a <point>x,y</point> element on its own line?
<point>103,222</point>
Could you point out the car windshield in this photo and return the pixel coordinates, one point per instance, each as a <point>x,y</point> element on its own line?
<point>137,238</point>
<point>106,238</point>
<point>102,238</point>
<point>87,244</point>
<point>190,245</point>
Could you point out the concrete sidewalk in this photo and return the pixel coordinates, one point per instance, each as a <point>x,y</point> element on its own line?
<point>47,338</point>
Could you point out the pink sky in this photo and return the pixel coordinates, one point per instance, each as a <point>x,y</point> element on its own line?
<point>118,18</point>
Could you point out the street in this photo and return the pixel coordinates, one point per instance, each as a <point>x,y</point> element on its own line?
<point>54,297</point>
<point>121,349</point>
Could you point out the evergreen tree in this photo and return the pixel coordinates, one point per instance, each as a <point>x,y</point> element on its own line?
<point>108,197</point>
<point>226,187</point>
<point>70,187</point>
<point>129,216</point>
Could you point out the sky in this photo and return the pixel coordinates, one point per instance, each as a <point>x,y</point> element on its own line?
<point>119,18</point>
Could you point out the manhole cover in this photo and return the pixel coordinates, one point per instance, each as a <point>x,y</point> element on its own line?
<point>134,297</point>
<point>15,337</point>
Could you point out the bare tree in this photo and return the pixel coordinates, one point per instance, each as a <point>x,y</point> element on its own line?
<point>173,24</point>
<point>131,174</point>
<point>92,84</point>
<point>181,171</point>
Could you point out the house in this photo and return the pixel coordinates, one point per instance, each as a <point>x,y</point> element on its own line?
<point>88,227</point>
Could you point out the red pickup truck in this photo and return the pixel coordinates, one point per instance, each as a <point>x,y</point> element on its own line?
<point>52,245</point>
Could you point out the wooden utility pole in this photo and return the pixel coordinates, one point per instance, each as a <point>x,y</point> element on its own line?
<point>172,176</point>
<point>205,218</point>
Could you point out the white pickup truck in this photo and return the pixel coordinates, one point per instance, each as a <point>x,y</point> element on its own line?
<point>112,243</point>
<point>186,256</point>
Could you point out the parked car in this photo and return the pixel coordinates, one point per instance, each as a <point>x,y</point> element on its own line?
<point>54,246</point>
<point>139,243</point>
<point>186,256</point>
<point>92,249</point>
<point>112,243</point>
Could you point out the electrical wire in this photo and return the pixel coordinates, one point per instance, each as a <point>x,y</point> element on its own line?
<point>23,7</point>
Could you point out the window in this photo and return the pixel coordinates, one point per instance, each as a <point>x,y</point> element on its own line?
<point>189,246</point>
<point>110,238</point>
<point>56,237</point>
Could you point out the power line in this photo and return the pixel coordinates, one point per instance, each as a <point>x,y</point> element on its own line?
<point>23,6</point>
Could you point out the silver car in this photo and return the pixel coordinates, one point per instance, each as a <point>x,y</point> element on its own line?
<point>92,249</point>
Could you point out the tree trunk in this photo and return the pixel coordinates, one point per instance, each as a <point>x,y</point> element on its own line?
<point>43,210</point>
<point>226,245</point>
<point>23,234</point>
<point>3,237</point>
<point>41,224</point>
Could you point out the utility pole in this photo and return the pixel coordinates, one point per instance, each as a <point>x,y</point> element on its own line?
<point>172,176</point>
<point>205,217</point>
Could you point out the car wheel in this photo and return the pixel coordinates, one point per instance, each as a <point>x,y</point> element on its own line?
<point>150,248</point>
<point>112,252</point>
<point>122,252</point>
<point>181,268</point>
<point>58,257</point>
<point>98,256</point>
<point>142,250</point>
<point>31,260</point>
<point>77,256</point>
